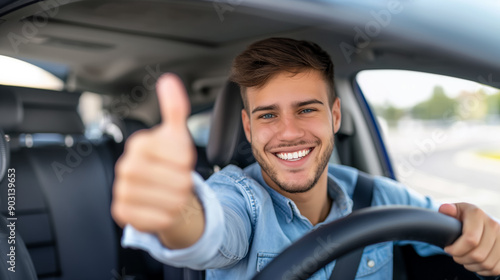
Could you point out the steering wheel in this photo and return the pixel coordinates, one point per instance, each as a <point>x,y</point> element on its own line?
<point>361,228</point>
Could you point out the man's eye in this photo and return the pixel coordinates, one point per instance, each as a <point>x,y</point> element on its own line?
<point>267,116</point>
<point>307,110</point>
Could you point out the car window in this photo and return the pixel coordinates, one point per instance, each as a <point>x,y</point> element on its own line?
<point>442,133</point>
<point>15,72</point>
<point>199,127</point>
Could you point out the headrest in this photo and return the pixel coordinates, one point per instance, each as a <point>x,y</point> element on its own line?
<point>29,110</point>
<point>4,155</point>
<point>11,109</point>
<point>227,143</point>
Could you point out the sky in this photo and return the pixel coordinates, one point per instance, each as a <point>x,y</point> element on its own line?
<point>406,88</point>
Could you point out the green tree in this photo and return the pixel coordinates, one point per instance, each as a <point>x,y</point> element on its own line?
<point>438,106</point>
<point>390,113</point>
<point>493,103</point>
<point>472,105</point>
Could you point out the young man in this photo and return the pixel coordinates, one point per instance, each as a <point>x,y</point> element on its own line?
<point>237,221</point>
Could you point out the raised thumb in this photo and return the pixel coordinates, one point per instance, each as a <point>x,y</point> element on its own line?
<point>173,100</point>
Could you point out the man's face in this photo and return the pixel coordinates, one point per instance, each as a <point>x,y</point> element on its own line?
<point>290,126</point>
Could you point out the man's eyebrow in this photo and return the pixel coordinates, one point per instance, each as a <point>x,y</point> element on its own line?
<point>308,102</point>
<point>265,108</point>
<point>297,104</point>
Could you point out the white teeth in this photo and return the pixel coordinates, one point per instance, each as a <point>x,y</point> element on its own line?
<point>293,156</point>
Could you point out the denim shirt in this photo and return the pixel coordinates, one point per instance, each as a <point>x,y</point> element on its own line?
<point>247,224</point>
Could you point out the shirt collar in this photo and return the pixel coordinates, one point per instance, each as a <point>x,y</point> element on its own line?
<point>342,203</point>
<point>341,199</point>
<point>286,205</point>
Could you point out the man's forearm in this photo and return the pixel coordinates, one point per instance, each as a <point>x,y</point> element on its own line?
<point>188,228</point>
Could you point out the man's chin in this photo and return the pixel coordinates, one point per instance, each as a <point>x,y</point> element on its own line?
<point>295,185</point>
<point>296,188</point>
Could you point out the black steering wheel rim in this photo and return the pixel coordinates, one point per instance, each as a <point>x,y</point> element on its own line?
<point>361,228</point>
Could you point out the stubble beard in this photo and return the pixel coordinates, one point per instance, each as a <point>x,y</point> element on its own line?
<point>290,187</point>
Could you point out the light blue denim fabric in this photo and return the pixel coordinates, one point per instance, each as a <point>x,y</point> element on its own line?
<point>248,224</point>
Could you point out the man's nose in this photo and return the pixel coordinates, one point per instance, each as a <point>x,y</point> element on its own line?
<point>290,129</point>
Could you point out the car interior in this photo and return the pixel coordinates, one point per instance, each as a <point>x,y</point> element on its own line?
<point>117,50</point>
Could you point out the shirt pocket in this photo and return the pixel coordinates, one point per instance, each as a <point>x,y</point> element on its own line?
<point>264,258</point>
<point>376,262</point>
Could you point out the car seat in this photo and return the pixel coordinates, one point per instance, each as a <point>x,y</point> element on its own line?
<point>63,185</point>
<point>15,260</point>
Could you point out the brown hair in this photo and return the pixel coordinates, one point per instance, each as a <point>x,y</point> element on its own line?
<point>264,59</point>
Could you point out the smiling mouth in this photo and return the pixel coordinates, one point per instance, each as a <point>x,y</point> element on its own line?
<point>294,156</point>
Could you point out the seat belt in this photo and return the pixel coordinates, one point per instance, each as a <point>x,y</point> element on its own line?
<point>347,266</point>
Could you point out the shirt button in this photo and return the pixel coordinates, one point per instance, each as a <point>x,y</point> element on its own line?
<point>371,263</point>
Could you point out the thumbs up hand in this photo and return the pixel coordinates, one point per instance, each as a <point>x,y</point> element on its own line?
<point>153,189</point>
<point>174,144</point>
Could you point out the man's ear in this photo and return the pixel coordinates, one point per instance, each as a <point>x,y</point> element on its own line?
<point>245,119</point>
<point>336,115</point>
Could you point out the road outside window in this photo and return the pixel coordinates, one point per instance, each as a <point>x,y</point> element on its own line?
<point>442,133</point>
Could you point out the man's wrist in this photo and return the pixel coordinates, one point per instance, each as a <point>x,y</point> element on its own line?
<point>187,228</point>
